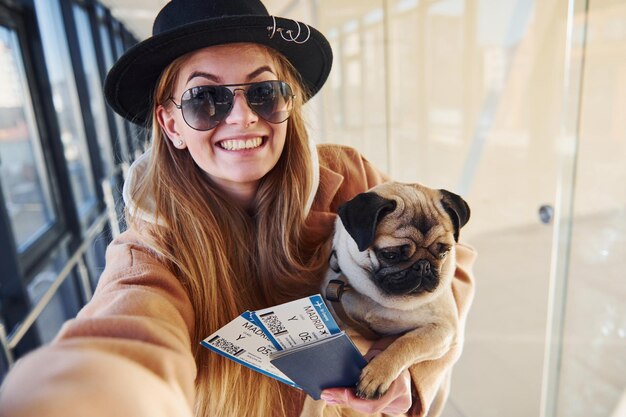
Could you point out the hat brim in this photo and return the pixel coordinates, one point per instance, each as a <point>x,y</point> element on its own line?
<point>130,83</point>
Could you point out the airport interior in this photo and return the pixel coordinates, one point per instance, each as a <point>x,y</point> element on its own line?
<point>516,105</point>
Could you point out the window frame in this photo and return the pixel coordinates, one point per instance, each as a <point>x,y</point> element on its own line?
<point>16,18</point>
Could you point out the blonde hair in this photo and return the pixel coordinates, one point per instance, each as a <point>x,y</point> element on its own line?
<point>228,260</point>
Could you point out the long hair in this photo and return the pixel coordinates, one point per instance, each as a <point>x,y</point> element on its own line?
<point>229,260</point>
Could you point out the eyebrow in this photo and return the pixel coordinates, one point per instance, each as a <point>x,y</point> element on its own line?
<point>217,79</point>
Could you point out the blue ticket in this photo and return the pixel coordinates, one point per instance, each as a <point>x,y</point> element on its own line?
<point>296,322</point>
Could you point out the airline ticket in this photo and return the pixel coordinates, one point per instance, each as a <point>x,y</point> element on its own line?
<point>243,341</point>
<point>297,322</point>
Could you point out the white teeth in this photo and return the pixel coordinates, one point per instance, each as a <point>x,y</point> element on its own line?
<point>238,144</point>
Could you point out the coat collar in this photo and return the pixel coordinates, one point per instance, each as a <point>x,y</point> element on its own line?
<point>329,184</point>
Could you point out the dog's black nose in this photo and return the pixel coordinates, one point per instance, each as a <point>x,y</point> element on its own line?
<point>422,267</point>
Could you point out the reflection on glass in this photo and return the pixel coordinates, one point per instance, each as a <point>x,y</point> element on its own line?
<point>105,39</point>
<point>117,36</point>
<point>94,85</point>
<point>466,95</point>
<point>65,303</point>
<point>106,46</point>
<point>355,101</point>
<point>593,359</point>
<point>23,173</point>
<point>65,98</point>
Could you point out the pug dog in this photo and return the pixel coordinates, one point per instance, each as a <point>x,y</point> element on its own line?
<point>391,269</point>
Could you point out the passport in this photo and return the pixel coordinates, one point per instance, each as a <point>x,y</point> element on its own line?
<point>327,363</point>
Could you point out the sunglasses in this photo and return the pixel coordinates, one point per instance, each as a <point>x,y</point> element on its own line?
<point>204,107</point>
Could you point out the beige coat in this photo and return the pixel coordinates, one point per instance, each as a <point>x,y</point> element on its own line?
<point>128,352</point>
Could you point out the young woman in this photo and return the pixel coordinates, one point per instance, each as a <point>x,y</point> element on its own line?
<point>230,210</point>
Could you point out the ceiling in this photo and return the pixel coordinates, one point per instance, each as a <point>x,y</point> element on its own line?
<point>138,15</point>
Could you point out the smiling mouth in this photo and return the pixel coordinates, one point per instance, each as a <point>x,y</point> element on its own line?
<point>240,144</point>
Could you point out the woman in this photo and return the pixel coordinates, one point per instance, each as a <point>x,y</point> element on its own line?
<point>230,210</point>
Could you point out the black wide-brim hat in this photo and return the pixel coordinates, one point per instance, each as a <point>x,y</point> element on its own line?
<point>183,26</point>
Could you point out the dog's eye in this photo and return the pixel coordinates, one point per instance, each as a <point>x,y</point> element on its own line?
<point>389,255</point>
<point>443,250</point>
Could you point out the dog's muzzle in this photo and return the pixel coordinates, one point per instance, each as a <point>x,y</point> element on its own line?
<point>417,278</point>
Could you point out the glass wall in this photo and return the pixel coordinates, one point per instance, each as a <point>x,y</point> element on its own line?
<point>593,361</point>
<point>94,84</point>
<point>56,151</point>
<point>108,46</point>
<point>466,96</point>
<point>24,175</point>
<point>516,105</point>
<point>66,105</point>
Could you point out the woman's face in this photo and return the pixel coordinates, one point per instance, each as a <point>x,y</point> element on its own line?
<point>218,152</point>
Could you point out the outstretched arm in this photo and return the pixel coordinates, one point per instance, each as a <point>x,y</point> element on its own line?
<point>127,353</point>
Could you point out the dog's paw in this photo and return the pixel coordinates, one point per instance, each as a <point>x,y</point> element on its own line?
<point>374,381</point>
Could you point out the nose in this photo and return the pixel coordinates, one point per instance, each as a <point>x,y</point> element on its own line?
<point>422,267</point>
<point>241,113</point>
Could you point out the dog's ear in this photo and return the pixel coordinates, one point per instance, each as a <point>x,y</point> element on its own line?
<point>457,209</point>
<point>361,215</point>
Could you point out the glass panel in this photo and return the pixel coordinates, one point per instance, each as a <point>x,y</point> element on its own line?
<point>117,37</point>
<point>131,146</point>
<point>106,46</point>
<point>26,191</point>
<point>66,104</point>
<point>467,95</point>
<point>354,109</point>
<point>65,303</point>
<point>105,39</point>
<point>94,84</point>
<point>593,363</point>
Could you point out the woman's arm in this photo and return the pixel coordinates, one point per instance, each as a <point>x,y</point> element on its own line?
<point>127,353</point>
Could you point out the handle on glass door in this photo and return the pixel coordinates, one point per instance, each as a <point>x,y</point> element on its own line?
<point>546,213</point>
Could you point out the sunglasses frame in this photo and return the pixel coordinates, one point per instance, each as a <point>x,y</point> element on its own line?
<point>234,92</point>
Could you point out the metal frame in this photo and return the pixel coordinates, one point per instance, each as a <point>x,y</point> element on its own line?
<point>93,9</point>
<point>18,314</point>
<point>10,342</point>
<point>32,61</point>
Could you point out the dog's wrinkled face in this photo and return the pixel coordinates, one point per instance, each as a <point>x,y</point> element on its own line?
<point>402,237</point>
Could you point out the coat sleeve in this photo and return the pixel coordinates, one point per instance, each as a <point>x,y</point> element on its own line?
<point>428,377</point>
<point>127,353</point>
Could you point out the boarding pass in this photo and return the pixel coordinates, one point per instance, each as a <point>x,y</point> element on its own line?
<point>297,322</point>
<point>244,342</point>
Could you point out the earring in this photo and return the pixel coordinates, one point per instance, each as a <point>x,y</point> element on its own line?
<point>179,143</point>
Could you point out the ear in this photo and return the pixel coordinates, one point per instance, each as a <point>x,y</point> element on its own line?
<point>169,124</point>
<point>457,209</point>
<point>361,215</point>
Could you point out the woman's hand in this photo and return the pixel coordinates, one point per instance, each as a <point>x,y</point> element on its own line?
<point>397,399</point>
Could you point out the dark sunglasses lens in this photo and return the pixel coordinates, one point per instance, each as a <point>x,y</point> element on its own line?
<point>272,100</point>
<point>204,107</point>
